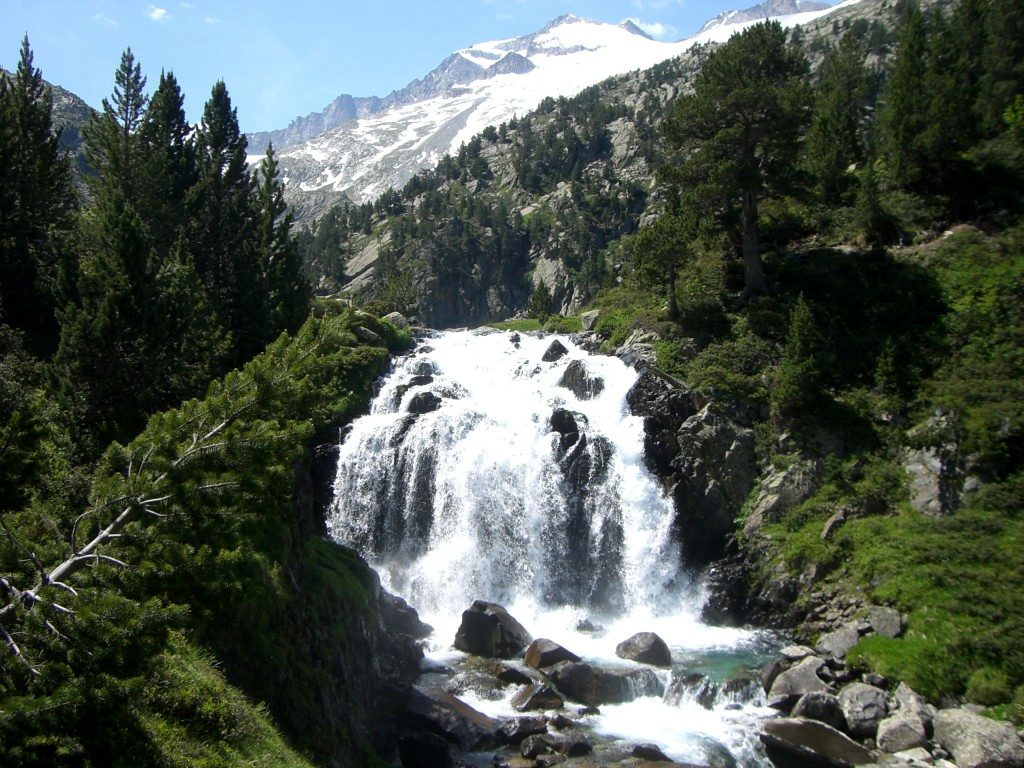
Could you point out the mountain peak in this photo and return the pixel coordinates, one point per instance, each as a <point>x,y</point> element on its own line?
<point>631,27</point>
<point>767,9</point>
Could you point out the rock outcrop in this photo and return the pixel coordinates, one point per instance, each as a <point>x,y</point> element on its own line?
<point>487,629</point>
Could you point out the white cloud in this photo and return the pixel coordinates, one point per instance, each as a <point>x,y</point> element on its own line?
<point>101,19</point>
<point>157,14</point>
<point>655,29</point>
<point>188,6</point>
<point>212,20</point>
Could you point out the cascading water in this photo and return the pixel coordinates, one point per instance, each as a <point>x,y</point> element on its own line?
<point>485,472</point>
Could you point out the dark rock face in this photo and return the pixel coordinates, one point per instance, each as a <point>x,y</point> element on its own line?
<point>511,675</point>
<point>424,402</point>
<point>646,648</point>
<point>556,351</point>
<point>443,714</point>
<point>402,618</point>
<point>515,729</point>
<point>536,696</point>
<point>727,582</point>
<point>487,629</point>
<point>650,752</point>
<point>547,653</point>
<point>424,750</point>
<point>577,379</point>
<point>567,424</point>
<point>595,686</point>
<point>800,743</point>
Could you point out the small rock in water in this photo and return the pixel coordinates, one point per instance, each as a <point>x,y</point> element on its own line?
<point>577,379</point>
<point>645,647</point>
<point>514,730</point>
<point>555,351</point>
<point>547,653</point>
<point>650,752</point>
<point>536,696</point>
<point>691,685</point>
<point>540,744</point>
<point>511,675</point>
<point>424,402</point>
<point>586,625</point>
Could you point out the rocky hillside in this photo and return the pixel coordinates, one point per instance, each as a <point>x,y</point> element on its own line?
<point>542,199</point>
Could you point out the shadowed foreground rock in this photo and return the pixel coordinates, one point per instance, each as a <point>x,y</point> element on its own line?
<point>487,629</point>
<point>800,743</point>
<point>443,714</point>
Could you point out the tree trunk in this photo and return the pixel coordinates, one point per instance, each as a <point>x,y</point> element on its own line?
<point>673,305</point>
<point>753,269</point>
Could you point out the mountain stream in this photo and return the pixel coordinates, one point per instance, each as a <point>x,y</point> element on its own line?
<point>485,472</point>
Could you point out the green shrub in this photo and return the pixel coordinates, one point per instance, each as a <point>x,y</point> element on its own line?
<point>988,686</point>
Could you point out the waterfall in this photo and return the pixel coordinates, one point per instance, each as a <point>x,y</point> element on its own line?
<point>507,467</point>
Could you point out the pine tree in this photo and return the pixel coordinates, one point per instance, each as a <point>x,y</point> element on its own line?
<point>113,144</point>
<point>797,386</point>
<point>288,290</point>
<point>836,138</point>
<point>539,306</point>
<point>1002,60</point>
<point>170,164</point>
<point>661,248</point>
<point>869,216</point>
<point>38,201</point>
<point>738,134</point>
<point>904,111</point>
<point>221,226</point>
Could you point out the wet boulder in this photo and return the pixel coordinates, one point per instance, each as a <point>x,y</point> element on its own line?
<point>650,752</point>
<point>795,742</point>
<point>864,707</point>
<point>536,745</point>
<point>445,715</point>
<point>536,696</point>
<point>555,351</point>
<point>424,750</point>
<point>821,706</point>
<point>487,629</point>
<point>691,686</point>
<point>790,685</point>
<point>577,379</point>
<point>646,648</point>
<point>424,402</point>
<point>515,729</point>
<point>594,685</point>
<point>978,742</point>
<point>547,653</point>
<point>510,675</point>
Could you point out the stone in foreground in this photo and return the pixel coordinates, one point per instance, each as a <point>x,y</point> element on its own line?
<point>795,682</point>
<point>645,647</point>
<point>595,686</point>
<point>443,714</point>
<point>801,743</point>
<point>864,707</point>
<point>487,629</point>
<point>536,696</point>
<point>976,741</point>
<point>547,653</point>
<point>900,732</point>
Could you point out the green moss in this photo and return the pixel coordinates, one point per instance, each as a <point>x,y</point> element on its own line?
<point>524,325</point>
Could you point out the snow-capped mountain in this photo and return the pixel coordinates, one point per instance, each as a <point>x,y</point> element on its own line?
<point>485,84</point>
<point>767,10</point>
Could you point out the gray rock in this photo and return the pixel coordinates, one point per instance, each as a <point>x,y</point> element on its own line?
<point>886,621</point>
<point>770,672</point>
<point>900,732</point>
<point>978,742</point>
<point>536,696</point>
<point>916,755</point>
<point>911,702</point>
<point>780,491</point>
<point>864,707</point>
<point>594,685</point>
<point>536,745</point>
<point>833,524</point>
<point>577,379</point>
<point>487,629</point>
<point>397,319</point>
<point>367,336</point>
<point>646,648</point>
<point>638,349</point>
<point>589,319</point>
<point>546,653</point>
<point>452,718</point>
<point>796,652</point>
<point>515,729</point>
<point>795,682</point>
<point>821,706</point>
<point>839,642</point>
<point>793,741</point>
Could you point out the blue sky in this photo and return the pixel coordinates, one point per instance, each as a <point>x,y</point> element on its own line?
<point>282,59</point>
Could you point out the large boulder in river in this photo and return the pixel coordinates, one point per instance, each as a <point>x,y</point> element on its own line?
<point>795,742</point>
<point>645,647</point>
<point>978,742</point>
<point>487,629</point>
<point>864,707</point>
<point>789,686</point>
<point>424,402</point>
<point>577,379</point>
<point>567,424</point>
<point>452,718</point>
<point>547,653</point>
<point>594,685</point>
